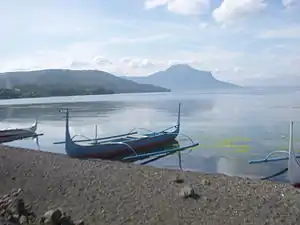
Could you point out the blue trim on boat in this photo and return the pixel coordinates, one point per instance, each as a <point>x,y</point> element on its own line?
<point>116,147</point>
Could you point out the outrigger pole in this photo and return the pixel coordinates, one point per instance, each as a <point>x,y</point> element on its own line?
<point>160,152</point>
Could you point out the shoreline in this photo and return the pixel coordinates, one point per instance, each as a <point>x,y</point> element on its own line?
<point>82,95</point>
<point>64,97</point>
<point>106,192</point>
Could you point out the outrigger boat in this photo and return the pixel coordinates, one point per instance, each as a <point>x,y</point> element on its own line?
<point>12,134</point>
<point>293,162</point>
<point>120,146</point>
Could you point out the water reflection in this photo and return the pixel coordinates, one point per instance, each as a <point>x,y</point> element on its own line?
<point>87,109</point>
<point>51,111</point>
<point>112,117</point>
<point>190,107</point>
<point>213,120</point>
<point>231,166</point>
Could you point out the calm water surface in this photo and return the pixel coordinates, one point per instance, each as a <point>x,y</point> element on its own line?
<point>230,127</point>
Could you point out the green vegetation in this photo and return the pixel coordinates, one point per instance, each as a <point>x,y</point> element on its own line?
<point>59,82</point>
<point>35,91</point>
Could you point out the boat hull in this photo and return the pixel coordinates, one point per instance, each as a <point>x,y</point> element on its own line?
<point>19,136</point>
<point>116,151</point>
<point>121,147</point>
<point>9,135</point>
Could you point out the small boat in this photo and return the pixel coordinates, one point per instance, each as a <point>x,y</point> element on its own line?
<point>293,162</point>
<point>11,134</point>
<point>119,146</point>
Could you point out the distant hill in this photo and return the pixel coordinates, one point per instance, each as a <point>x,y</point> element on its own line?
<point>72,79</point>
<point>183,77</point>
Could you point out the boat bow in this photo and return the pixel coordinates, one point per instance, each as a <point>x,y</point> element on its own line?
<point>69,144</point>
<point>33,128</point>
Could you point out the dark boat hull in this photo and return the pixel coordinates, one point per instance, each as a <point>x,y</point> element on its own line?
<point>13,137</point>
<point>117,151</point>
<point>9,135</point>
<point>120,147</point>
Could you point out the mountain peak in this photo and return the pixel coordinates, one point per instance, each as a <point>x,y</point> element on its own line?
<point>184,77</point>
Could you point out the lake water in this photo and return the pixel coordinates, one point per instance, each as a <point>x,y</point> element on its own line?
<point>231,127</point>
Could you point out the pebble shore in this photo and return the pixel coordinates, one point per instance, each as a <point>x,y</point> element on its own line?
<point>105,192</point>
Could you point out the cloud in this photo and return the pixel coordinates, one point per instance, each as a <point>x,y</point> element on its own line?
<point>184,7</point>
<point>78,64</point>
<point>146,63</point>
<point>97,63</point>
<point>231,55</point>
<point>86,55</point>
<point>36,61</point>
<point>291,32</point>
<point>137,66</point>
<point>225,64</point>
<point>291,3</point>
<point>134,40</point>
<point>125,60</point>
<point>237,70</point>
<point>231,10</point>
<point>81,51</point>
<point>137,62</point>
<point>100,61</point>
<point>203,25</point>
<point>210,56</point>
<point>192,62</point>
<point>140,66</point>
<point>150,4</point>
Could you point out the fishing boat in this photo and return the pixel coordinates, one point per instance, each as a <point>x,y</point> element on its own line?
<point>293,162</point>
<point>11,134</point>
<point>118,146</point>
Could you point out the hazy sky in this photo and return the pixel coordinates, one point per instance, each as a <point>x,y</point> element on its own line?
<point>235,39</point>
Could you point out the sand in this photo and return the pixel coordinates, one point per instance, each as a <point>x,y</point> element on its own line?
<point>104,192</point>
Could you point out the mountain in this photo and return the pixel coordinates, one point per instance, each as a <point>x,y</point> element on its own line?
<point>183,77</point>
<point>72,79</point>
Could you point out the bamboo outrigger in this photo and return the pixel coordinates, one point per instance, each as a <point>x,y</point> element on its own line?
<point>123,145</point>
<point>293,162</point>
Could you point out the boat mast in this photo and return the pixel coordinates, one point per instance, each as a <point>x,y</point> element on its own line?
<point>178,119</point>
<point>68,137</point>
<point>291,141</point>
<point>293,164</point>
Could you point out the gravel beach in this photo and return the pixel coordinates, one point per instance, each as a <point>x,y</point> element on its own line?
<point>104,192</point>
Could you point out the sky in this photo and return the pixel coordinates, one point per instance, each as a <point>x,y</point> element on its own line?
<point>236,40</point>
